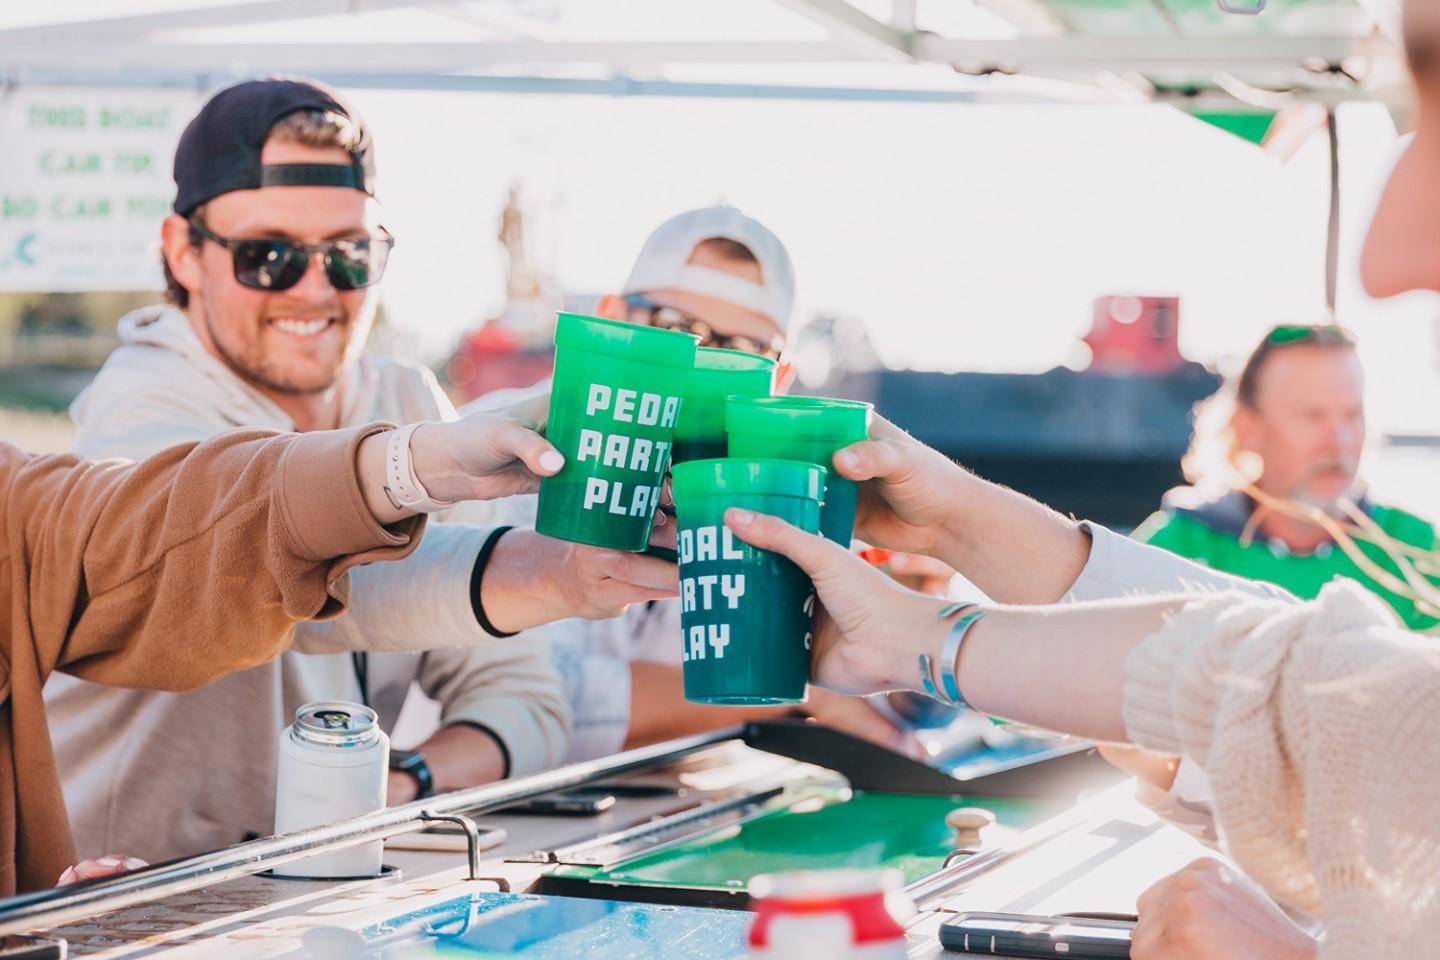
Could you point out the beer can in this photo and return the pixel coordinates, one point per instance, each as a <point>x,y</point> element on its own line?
<point>333,764</point>
<point>835,914</point>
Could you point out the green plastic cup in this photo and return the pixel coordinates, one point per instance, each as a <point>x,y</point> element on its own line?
<point>614,403</point>
<point>804,428</point>
<point>744,612</point>
<point>718,375</point>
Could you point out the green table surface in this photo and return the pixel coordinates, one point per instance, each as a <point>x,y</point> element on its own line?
<point>827,830</point>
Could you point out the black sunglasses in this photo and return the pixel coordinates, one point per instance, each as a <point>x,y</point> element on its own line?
<point>669,318</point>
<point>273,264</point>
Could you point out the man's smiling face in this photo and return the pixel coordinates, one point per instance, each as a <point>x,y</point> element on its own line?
<point>294,341</point>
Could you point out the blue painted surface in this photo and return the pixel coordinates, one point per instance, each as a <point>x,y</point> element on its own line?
<point>560,928</point>
<point>974,763</point>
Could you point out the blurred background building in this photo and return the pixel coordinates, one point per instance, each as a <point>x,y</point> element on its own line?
<point>1000,212</point>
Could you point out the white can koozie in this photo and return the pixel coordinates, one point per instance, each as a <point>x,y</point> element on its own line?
<point>333,764</point>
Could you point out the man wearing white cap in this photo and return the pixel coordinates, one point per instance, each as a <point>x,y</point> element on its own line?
<point>715,273</point>
<point>725,277</point>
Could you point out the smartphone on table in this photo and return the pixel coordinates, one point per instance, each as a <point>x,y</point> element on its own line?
<point>583,802</point>
<point>1024,935</point>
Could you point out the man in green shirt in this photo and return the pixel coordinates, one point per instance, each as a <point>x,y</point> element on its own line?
<point>1284,504</point>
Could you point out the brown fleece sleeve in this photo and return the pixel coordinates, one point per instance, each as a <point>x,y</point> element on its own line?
<point>172,572</point>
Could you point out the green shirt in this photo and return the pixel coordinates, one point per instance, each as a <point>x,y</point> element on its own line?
<point>1210,534</point>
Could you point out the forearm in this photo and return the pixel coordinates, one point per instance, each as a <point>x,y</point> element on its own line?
<point>420,604</point>
<point>530,580</point>
<point>1014,548</point>
<point>463,756</point>
<point>161,545</point>
<point>518,589</point>
<point>1057,667</point>
<point>510,689</point>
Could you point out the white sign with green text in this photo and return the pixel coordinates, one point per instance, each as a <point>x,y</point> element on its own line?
<point>85,180</point>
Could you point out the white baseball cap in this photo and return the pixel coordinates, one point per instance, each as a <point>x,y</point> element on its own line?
<point>662,264</point>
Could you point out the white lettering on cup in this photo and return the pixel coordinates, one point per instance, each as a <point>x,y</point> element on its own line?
<point>809,612</point>
<point>728,550</point>
<point>616,446</point>
<point>625,406</point>
<point>672,410</point>
<point>641,501</point>
<point>697,643</point>
<point>640,454</point>
<point>687,595</point>
<point>719,638</point>
<point>599,399</point>
<point>649,409</point>
<point>685,546</point>
<point>704,544</point>
<point>733,586</point>
<point>594,492</point>
<point>707,585</point>
<point>590,441</point>
<point>616,507</point>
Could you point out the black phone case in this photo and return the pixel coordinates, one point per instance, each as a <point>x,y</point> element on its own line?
<point>1009,943</point>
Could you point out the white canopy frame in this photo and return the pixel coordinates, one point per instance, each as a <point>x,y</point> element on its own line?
<point>512,45</point>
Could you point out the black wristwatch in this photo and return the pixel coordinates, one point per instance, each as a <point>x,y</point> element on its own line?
<point>413,763</point>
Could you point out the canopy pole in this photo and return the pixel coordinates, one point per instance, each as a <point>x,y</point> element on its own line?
<point>1332,239</point>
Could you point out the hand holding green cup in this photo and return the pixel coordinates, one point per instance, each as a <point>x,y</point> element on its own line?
<point>811,429</point>
<point>718,376</point>
<point>616,398</point>
<point>745,613</point>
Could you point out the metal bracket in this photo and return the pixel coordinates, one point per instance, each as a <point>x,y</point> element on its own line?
<point>955,856</point>
<point>472,835</point>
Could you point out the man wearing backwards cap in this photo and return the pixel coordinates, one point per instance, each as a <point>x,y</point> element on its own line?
<point>721,275</point>
<point>271,260</point>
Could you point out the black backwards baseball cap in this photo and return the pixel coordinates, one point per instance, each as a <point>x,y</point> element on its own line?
<point>220,149</point>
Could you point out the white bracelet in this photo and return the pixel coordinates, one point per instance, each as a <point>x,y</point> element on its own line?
<point>402,486</point>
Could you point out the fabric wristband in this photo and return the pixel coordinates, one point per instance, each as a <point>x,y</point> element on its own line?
<point>402,486</point>
<point>477,576</point>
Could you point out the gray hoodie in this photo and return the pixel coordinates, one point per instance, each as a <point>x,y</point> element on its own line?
<point>161,775</point>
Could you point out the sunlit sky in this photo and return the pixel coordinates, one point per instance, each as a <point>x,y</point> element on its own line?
<point>965,236</point>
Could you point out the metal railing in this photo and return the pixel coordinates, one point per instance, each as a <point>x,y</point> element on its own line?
<point>49,908</point>
<point>1082,816</point>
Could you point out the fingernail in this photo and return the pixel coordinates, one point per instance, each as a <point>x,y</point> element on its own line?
<point>740,517</point>
<point>552,460</point>
<point>135,863</point>
<point>67,877</point>
<point>109,861</point>
<point>847,459</point>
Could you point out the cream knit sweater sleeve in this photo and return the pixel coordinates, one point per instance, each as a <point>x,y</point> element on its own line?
<point>1319,725</point>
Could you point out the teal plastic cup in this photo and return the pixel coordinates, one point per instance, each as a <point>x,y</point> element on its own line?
<point>718,376</point>
<point>811,429</point>
<point>614,403</point>
<point>744,612</point>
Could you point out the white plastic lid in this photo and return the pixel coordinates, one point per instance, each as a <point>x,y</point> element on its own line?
<point>824,884</point>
